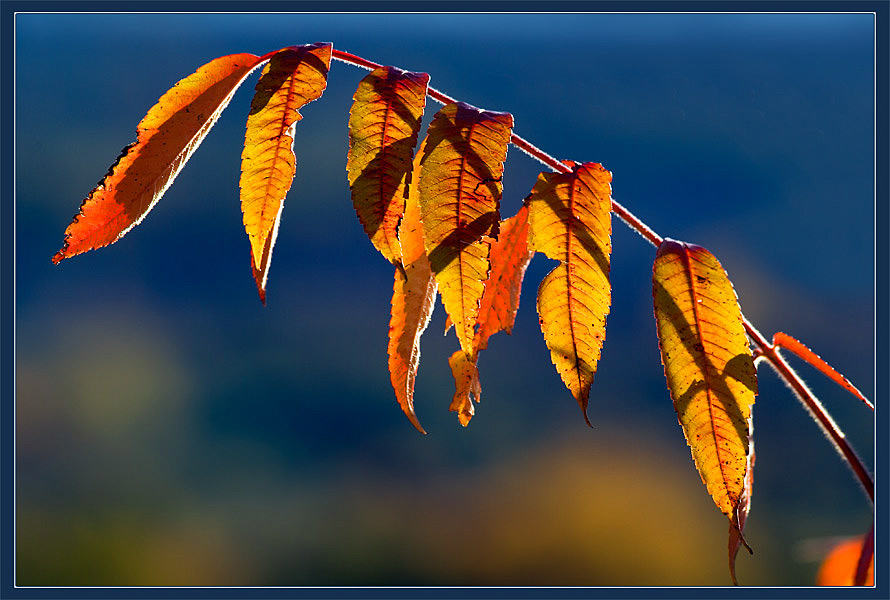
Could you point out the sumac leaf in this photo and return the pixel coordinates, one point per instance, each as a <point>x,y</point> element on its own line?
<point>708,365</point>
<point>570,221</point>
<point>462,162</point>
<point>293,77</point>
<point>413,301</point>
<point>842,563</point>
<point>497,309</point>
<point>383,125</point>
<point>165,139</point>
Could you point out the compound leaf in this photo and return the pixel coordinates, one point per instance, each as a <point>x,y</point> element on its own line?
<point>165,139</point>
<point>708,365</point>
<point>462,162</point>
<point>293,77</point>
<point>569,221</point>
<point>383,125</point>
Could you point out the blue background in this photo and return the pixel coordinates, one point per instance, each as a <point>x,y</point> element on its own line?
<point>172,431</point>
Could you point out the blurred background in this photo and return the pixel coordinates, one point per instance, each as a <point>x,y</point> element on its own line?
<point>170,430</point>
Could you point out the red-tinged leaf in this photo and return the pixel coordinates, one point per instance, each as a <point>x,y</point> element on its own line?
<point>462,162</point>
<point>569,221</point>
<point>736,529</point>
<point>383,125</point>
<point>510,256</point>
<point>165,139</point>
<point>467,387</point>
<point>497,310</point>
<point>413,300</point>
<point>793,345</point>
<point>294,77</point>
<point>841,565</point>
<point>708,365</point>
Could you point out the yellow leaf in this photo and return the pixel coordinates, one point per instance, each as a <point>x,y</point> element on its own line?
<point>383,126</point>
<point>569,221</point>
<point>462,162</point>
<point>413,300</point>
<point>466,386</point>
<point>294,77</point>
<point>708,366</point>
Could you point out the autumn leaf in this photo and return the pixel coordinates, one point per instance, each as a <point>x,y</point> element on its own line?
<point>293,77</point>
<point>497,309</point>
<point>462,162</point>
<point>791,344</point>
<point>842,563</point>
<point>165,139</point>
<point>569,221</point>
<point>413,301</point>
<point>708,366</point>
<point>383,125</point>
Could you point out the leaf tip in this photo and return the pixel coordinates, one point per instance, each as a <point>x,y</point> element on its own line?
<point>59,256</point>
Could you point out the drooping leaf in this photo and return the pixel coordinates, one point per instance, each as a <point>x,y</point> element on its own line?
<point>791,344</point>
<point>708,365</point>
<point>497,309</point>
<point>383,125</point>
<point>462,162</point>
<point>569,221</point>
<point>413,300</point>
<point>293,77</point>
<point>736,538</point>
<point>165,139</point>
<point>840,566</point>
<point>466,386</point>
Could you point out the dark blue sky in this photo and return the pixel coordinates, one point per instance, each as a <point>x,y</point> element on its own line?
<point>150,367</point>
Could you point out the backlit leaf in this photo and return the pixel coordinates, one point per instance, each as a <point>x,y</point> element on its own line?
<point>462,162</point>
<point>165,139</point>
<point>294,77</point>
<point>569,221</point>
<point>413,300</point>
<point>383,126</point>
<point>708,365</point>
<point>497,309</point>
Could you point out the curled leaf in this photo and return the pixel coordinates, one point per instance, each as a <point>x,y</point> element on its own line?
<point>569,221</point>
<point>736,539</point>
<point>466,386</point>
<point>462,162</point>
<point>166,138</point>
<point>708,365</point>
<point>293,77</point>
<point>383,125</point>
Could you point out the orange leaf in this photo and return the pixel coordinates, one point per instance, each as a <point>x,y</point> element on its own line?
<point>466,384</point>
<point>569,221</point>
<point>792,344</point>
<point>839,567</point>
<point>165,139</point>
<point>708,366</point>
<point>462,161</point>
<point>413,300</point>
<point>497,310</point>
<point>383,126</point>
<point>294,77</point>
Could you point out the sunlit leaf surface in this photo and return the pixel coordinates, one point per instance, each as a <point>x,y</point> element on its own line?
<point>293,77</point>
<point>383,125</point>
<point>708,366</point>
<point>165,139</point>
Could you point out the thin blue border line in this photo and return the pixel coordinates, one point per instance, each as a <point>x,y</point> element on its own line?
<point>7,307</point>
